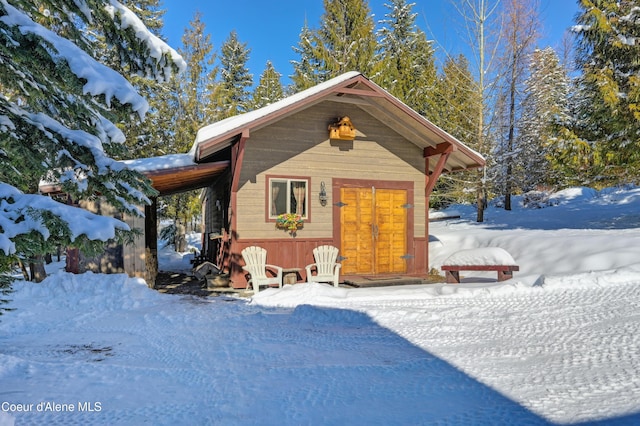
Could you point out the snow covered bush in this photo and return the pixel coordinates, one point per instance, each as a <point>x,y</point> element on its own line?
<point>537,200</point>
<point>57,107</point>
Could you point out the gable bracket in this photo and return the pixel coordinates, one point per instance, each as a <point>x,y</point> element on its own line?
<point>442,149</point>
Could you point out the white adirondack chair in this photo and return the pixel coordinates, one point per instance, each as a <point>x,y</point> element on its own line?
<point>255,259</point>
<point>326,266</point>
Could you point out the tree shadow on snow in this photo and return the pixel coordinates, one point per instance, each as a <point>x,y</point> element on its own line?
<point>356,372</point>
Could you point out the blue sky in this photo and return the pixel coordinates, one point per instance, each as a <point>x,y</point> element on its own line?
<point>271,28</point>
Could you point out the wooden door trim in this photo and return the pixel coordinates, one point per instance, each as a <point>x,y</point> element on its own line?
<point>338,183</point>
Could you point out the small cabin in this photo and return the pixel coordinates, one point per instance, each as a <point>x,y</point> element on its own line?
<point>342,163</point>
<point>349,163</point>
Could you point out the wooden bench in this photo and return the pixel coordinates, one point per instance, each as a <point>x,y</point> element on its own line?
<point>452,272</point>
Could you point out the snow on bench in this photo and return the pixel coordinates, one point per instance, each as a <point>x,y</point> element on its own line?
<point>481,259</point>
<point>441,216</point>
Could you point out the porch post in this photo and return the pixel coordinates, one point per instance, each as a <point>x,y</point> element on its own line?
<point>427,196</point>
<point>430,178</point>
<point>151,241</point>
<point>235,269</point>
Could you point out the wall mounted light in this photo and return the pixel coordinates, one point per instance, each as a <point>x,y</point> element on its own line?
<point>322,196</point>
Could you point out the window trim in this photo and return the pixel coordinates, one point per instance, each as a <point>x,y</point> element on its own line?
<point>288,178</point>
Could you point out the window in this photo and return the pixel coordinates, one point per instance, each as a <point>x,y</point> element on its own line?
<point>288,196</point>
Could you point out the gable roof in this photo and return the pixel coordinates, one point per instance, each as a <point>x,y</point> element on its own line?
<point>353,88</point>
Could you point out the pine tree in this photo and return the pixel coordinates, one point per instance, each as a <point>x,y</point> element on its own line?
<point>269,88</point>
<point>575,158</point>
<point>191,89</point>
<point>344,42</point>
<point>545,112</point>
<point>141,140</point>
<point>56,110</point>
<point>405,64</point>
<point>306,69</point>
<point>608,52</point>
<point>231,95</point>
<point>186,108</point>
<point>458,98</point>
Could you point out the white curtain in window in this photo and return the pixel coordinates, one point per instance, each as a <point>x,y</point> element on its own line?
<point>299,192</point>
<point>275,189</point>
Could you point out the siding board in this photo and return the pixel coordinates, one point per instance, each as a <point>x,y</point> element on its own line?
<point>299,147</point>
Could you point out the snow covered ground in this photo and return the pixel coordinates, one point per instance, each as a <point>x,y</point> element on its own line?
<point>560,343</point>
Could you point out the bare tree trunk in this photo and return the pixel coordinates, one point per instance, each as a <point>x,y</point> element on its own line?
<point>38,273</point>
<point>478,16</point>
<point>522,30</point>
<point>480,198</point>
<point>181,239</point>
<point>484,22</point>
<point>511,137</point>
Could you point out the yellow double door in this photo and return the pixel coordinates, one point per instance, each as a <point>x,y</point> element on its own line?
<point>373,230</point>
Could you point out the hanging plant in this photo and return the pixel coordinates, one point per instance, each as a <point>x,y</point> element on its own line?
<point>290,222</point>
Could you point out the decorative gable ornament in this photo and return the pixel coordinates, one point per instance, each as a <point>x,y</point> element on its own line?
<point>342,130</point>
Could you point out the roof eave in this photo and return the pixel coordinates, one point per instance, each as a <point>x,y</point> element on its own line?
<point>206,146</point>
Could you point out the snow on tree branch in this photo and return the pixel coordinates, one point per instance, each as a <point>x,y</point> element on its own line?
<point>19,215</point>
<point>100,79</point>
<point>158,50</point>
<point>59,103</point>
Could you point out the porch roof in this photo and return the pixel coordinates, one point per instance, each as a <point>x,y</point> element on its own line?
<point>352,88</point>
<point>171,181</point>
<point>175,173</point>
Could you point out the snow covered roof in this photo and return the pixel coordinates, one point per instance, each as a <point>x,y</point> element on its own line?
<point>177,172</point>
<point>162,162</point>
<point>353,88</point>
